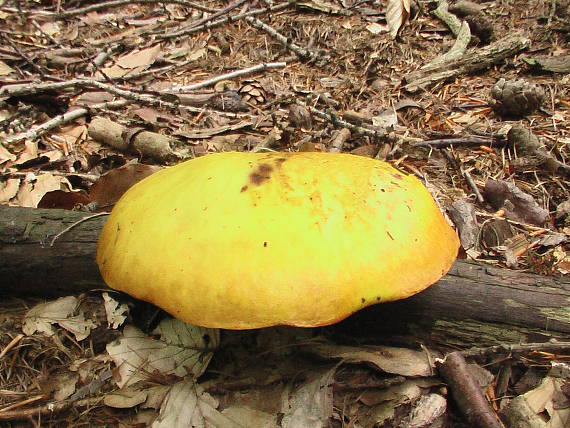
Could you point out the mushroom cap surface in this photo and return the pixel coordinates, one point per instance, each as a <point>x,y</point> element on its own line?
<point>248,240</point>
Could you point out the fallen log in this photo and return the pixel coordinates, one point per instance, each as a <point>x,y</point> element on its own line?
<point>475,304</point>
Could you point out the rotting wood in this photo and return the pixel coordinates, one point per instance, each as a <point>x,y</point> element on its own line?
<point>475,304</point>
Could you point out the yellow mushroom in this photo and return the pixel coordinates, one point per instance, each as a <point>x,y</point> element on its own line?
<point>246,240</point>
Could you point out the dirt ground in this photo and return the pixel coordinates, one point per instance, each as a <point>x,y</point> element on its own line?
<point>481,117</point>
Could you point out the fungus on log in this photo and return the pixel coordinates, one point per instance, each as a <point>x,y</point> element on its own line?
<point>247,240</point>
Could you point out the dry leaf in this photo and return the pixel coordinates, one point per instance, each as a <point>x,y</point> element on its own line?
<point>35,187</point>
<point>530,408</point>
<point>65,385</point>
<point>386,119</point>
<point>9,189</point>
<point>116,312</point>
<point>41,317</point>
<point>61,199</point>
<point>463,215</point>
<point>96,97</point>
<point>125,398</point>
<point>397,394</point>
<point>91,370</point>
<point>50,28</point>
<point>5,69</point>
<point>182,349</point>
<point>376,28</point>
<point>386,401</point>
<point>149,115</point>
<point>30,152</point>
<point>111,186</point>
<point>155,396</point>
<point>428,411</point>
<point>5,155</point>
<point>133,62</point>
<point>93,18</point>
<point>188,405</point>
<point>60,384</point>
<point>311,404</point>
<point>197,54</point>
<point>250,417</point>
<point>143,58</point>
<point>402,361</point>
<point>397,14</point>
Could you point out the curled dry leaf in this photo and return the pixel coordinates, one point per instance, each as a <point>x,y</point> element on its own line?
<point>116,312</point>
<point>397,14</point>
<point>41,318</point>
<point>405,362</point>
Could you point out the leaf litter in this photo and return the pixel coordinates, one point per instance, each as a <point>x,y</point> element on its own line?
<point>97,359</point>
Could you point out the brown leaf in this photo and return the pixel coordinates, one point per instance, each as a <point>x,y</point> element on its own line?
<point>111,186</point>
<point>142,58</point>
<point>63,200</point>
<point>149,115</point>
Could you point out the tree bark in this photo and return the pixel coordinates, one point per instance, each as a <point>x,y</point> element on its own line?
<point>475,304</point>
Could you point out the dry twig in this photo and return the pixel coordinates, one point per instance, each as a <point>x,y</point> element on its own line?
<point>222,21</point>
<point>302,53</point>
<point>116,3</point>
<point>467,393</point>
<point>238,73</point>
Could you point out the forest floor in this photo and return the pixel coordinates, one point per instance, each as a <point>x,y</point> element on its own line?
<point>479,113</point>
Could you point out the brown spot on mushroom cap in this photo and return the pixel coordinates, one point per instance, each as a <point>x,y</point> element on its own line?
<point>261,174</point>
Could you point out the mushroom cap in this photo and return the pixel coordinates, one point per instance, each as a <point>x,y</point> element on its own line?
<point>247,240</point>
